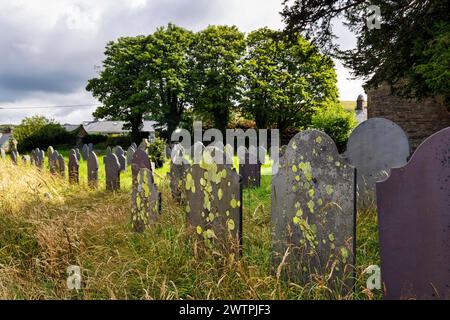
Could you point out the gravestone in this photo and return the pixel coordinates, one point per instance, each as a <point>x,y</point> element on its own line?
<point>374,147</point>
<point>25,160</point>
<point>2,153</point>
<point>92,166</point>
<point>140,160</point>
<point>214,203</point>
<point>120,153</point>
<point>78,154</point>
<point>38,157</point>
<point>108,151</point>
<point>50,151</point>
<point>90,147</point>
<point>250,172</point>
<point>134,146</point>
<point>73,167</point>
<point>85,152</point>
<point>313,212</point>
<point>146,201</point>
<point>61,165</point>
<point>53,161</point>
<point>130,154</point>
<point>112,172</point>
<point>177,174</point>
<point>414,224</point>
<point>14,155</point>
<point>144,144</point>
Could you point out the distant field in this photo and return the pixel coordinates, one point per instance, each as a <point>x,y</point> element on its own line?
<point>350,105</point>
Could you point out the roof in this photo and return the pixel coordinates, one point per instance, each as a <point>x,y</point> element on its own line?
<point>4,139</point>
<point>70,127</point>
<point>115,127</point>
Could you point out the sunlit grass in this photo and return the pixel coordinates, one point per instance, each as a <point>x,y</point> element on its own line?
<point>47,224</point>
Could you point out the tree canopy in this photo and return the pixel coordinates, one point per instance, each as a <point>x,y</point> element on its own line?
<point>410,50</point>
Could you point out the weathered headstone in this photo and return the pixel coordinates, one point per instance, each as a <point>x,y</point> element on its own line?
<point>120,153</point>
<point>177,174</point>
<point>214,203</point>
<point>25,159</point>
<point>140,160</point>
<point>313,212</point>
<point>37,157</point>
<point>78,154</point>
<point>146,201</point>
<point>250,172</point>
<point>85,152</point>
<point>414,224</point>
<point>144,144</point>
<point>14,155</point>
<point>50,151</point>
<point>92,166</point>
<point>130,154</point>
<point>73,167</point>
<point>2,154</point>
<point>53,160</point>
<point>112,172</point>
<point>61,165</point>
<point>374,147</point>
<point>134,146</point>
<point>90,147</point>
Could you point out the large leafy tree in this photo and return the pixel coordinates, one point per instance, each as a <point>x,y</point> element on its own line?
<point>216,54</point>
<point>410,50</point>
<point>286,79</point>
<point>122,85</point>
<point>168,73</point>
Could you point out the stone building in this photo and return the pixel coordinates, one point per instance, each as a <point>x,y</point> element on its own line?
<point>419,119</point>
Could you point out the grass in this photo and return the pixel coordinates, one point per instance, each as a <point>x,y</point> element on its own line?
<point>46,224</point>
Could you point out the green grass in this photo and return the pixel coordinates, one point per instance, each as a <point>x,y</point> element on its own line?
<point>46,224</point>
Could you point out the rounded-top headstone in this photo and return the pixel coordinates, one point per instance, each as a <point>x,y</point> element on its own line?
<point>374,147</point>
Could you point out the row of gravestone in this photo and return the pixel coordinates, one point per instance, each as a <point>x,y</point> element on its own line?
<point>374,147</point>
<point>313,214</point>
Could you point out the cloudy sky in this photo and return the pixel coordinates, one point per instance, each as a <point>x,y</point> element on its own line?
<point>50,48</point>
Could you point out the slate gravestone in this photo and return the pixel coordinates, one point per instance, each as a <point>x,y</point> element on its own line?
<point>112,172</point>
<point>140,160</point>
<point>3,154</point>
<point>108,151</point>
<point>250,172</point>
<point>313,212</point>
<point>120,153</point>
<point>25,160</point>
<point>73,167</point>
<point>146,201</point>
<point>144,144</point>
<point>92,166</point>
<point>214,203</point>
<point>134,146</point>
<point>374,147</point>
<point>14,155</point>
<point>90,147</point>
<point>53,161</point>
<point>85,152</point>
<point>414,224</point>
<point>177,174</point>
<point>61,165</point>
<point>37,157</point>
<point>78,154</point>
<point>130,154</point>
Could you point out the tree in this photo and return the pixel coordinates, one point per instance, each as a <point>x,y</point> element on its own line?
<point>286,79</point>
<point>168,73</point>
<point>122,86</point>
<point>410,50</point>
<point>216,54</point>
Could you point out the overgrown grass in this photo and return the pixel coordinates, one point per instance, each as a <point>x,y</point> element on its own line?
<point>46,224</point>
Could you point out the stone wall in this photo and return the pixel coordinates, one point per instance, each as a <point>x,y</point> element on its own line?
<point>419,119</point>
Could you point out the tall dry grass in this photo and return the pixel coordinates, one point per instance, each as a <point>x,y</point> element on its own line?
<point>46,224</point>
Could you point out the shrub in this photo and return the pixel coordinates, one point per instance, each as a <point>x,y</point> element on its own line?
<point>335,121</point>
<point>40,132</point>
<point>94,138</point>
<point>119,140</point>
<point>156,151</point>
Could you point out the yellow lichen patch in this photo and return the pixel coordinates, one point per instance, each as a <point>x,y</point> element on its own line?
<point>320,201</point>
<point>189,181</point>
<point>307,170</point>
<point>233,203</point>
<point>329,189</point>
<point>310,205</point>
<point>337,163</point>
<point>294,188</point>
<point>188,209</point>
<point>211,217</point>
<point>296,220</point>
<point>331,237</point>
<point>319,139</point>
<point>294,168</point>
<point>210,234</point>
<point>220,193</point>
<point>311,193</point>
<point>297,178</point>
<point>227,213</point>
<point>199,230</point>
<point>299,212</point>
<point>230,224</point>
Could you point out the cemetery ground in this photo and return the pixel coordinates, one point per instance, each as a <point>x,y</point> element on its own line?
<point>47,224</point>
